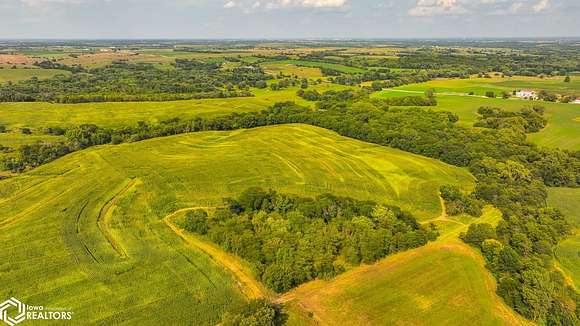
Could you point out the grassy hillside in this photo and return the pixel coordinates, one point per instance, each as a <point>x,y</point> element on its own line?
<point>568,251</point>
<point>16,75</point>
<point>443,283</point>
<point>38,115</point>
<point>92,222</point>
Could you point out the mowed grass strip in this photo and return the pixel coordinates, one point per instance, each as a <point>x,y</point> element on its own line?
<point>53,251</point>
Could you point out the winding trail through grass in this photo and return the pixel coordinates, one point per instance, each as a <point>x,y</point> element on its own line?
<point>105,215</point>
<point>249,286</point>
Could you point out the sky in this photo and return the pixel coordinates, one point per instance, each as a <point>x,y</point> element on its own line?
<point>271,19</point>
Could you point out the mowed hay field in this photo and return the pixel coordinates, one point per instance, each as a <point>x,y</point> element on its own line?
<point>87,231</point>
<point>37,115</point>
<point>442,283</point>
<point>563,129</point>
<point>290,69</point>
<point>568,251</point>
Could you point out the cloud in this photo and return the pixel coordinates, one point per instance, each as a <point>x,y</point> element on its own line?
<point>541,5</point>
<point>41,3</point>
<point>427,8</point>
<point>275,4</point>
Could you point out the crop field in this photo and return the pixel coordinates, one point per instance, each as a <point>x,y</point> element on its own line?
<point>568,252</point>
<point>563,129</point>
<point>445,281</point>
<point>92,221</point>
<point>291,69</point>
<point>37,114</point>
<point>16,75</point>
<point>315,64</point>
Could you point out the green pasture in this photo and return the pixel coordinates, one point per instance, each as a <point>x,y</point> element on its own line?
<point>290,69</point>
<point>16,75</point>
<point>86,231</point>
<point>316,64</point>
<point>568,251</point>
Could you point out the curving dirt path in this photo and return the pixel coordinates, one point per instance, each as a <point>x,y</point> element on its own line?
<point>105,215</point>
<point>249,286</point>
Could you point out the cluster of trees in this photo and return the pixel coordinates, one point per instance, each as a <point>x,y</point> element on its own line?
<point>122,81</point>
<point>457,202</point>
<point>291,240</point>
<point>532,62</point>
<point>255,313</point>
<point>287,82</point>
<point>527,120</point>
<point>380,82</point>
<point>519,252</point>
<point>332,96</point>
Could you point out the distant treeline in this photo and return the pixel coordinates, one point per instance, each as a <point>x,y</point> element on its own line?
<point>122,81</point>
<point>292,240</point>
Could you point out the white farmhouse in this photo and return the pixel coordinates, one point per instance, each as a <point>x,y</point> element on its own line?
<point>527,94</point>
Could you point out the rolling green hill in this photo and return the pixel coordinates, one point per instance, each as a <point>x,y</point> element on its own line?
<point>16,75</point>
<point>37,114</point>
<point>87,231</point>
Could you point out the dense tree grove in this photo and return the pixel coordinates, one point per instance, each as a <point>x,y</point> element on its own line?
<point>527,120</point>
<point>122,81</point>
<point>255,313</point>
<point>292,240</point>
<point>457,202</point>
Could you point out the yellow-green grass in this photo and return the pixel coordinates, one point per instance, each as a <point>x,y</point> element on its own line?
<point>290,69</point>
<point>13,139</point>
<point>443,283</point>
<point>563,128</point>
<point>38,114</point>
<point>316,64</point>
<point>87,232</point>
<point>16,75</point>
<point>568,251</point>
<point>496,84</point>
